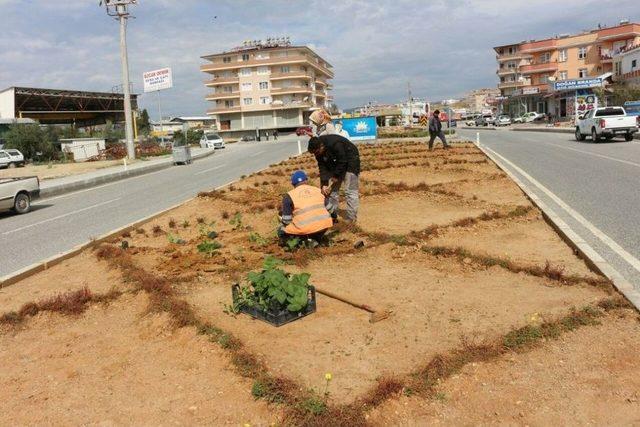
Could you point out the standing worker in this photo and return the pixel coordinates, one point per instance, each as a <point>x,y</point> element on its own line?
<point>339,163</point>
<point>321,121</point>
<point>304,211</point>
<point>435,130</point>
<point>275,135</point>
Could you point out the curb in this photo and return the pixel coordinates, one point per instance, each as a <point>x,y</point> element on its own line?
<point>548,130</point>
<point>17,276</point>
<point>115,176</point>
<point>593,260</point>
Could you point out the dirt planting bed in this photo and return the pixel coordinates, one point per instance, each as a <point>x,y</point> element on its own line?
<point>493,318</point>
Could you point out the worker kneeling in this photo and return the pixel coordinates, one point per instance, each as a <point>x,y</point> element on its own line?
<point>304,211</point>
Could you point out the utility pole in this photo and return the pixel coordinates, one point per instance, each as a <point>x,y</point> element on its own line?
<point>410,104</point>
<point>118,9</point>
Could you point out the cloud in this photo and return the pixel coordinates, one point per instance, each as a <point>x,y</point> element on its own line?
<point>443,48</point>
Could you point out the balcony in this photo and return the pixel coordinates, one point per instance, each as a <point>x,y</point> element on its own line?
<point>222,110</point>
<point>290,89</point>
<point>539,68</point>
<point>275,105</point>
<point>221,80</point>
<point>291,75</point>
<point>627,76</point>
<point>506,71</point>
<point>508,57</point>
<point>539,46</point>
<point>619,33</point>
<point>223,95</point>
<point>504,85</point>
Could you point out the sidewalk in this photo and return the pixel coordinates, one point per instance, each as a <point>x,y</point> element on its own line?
<point>54,187</point>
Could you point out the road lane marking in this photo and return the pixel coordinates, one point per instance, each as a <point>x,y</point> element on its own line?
<point>257,154</point>
<point>619,250</point>
<point>15,230</point>
<point>615,159</point>
<point>210,169</point>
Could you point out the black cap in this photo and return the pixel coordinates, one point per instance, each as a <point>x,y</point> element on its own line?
<point>314,143</point>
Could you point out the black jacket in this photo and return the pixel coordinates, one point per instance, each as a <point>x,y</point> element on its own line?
<point>340,156</point>
<point>435,125</point>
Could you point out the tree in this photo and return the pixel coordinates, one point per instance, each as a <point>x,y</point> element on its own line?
<point>31,140</point>
<point>144,125</point>
<point>194,136</point>
<point>333,109</point>
<point>178,138</point>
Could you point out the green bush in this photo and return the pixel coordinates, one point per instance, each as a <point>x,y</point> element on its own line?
<point>32,140</point>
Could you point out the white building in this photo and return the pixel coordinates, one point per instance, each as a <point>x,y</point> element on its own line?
<point>626,65</point>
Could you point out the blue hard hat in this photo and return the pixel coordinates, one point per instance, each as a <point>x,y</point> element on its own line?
<point>297,177</point>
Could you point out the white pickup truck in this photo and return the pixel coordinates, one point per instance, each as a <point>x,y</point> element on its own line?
<point>17,193</point>
<point>606,122</point>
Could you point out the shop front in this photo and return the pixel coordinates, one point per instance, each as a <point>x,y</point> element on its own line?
<point>572,98</point>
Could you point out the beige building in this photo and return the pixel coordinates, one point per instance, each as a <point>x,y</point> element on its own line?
<point>527,70</point>
<point>266,86</point>
<point>481,99</point>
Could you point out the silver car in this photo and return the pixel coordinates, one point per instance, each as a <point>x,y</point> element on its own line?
<point>503,120</point>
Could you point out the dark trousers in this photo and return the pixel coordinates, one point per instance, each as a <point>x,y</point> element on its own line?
<point>434,135</point>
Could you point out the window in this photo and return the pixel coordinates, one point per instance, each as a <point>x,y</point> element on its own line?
<point>634,63</point>
<point>247,101</point>
<point>245,56</point>
<point>263,70</point>
<point>245,72</point>
<point>545,57</point>
<point>264,85</point>
<point>563,75</point>
<point>562,55</point>
<point>246,87</point>
<point>227,89</point>
<point>582,73</point>
<point>544,79</point>
<point>228,103</point>
<point>582,53</point>
<point>265,100</point>
<point>618,68</point>
<point>226,59</point>
<point>285,69</point>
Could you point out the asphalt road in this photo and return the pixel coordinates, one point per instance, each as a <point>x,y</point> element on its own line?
<point>58,224</point>
<point>598,182</point>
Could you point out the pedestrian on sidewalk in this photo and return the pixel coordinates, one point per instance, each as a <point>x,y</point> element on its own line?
<point>266,135</point>
<point>339,163</point>
<point>275,135</point>
<point>435,130</point>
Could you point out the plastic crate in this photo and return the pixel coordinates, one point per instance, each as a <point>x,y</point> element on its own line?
<point>281,317</point>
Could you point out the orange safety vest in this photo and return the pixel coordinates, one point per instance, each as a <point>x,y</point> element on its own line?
<point>309,213</point>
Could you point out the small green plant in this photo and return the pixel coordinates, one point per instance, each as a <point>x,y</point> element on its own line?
<point>185,224</point>
<point>292,244</point>
<point>175,239</point>
<point>209,248</point>
<point>236,221</point>
<point>273,289</point>
<point>256,238</point>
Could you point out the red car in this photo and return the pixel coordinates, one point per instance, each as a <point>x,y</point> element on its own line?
<point>304,130</point>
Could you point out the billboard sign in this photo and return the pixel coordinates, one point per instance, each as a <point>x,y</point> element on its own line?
<point>577,84</point>
<point>157,80</point>
<point>357,128</point>
<point>530,90</point>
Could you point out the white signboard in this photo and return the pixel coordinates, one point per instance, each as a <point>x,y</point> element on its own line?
<point>157,80</point>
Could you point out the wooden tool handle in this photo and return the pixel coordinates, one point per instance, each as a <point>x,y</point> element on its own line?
<point>345,300</point>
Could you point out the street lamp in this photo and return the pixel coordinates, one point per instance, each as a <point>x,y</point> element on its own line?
<point>118,9</point>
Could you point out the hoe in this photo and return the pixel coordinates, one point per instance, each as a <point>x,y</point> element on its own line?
<point>376,315</point>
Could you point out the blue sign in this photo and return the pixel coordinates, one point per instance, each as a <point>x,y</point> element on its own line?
<point>577,84</point>
<point>357,128</point>
<point>632,108</point>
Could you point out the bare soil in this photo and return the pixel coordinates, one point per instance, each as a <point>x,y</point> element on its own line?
<point>120,364</point>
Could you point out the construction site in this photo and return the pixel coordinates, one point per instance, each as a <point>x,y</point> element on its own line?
<point>472,310</point>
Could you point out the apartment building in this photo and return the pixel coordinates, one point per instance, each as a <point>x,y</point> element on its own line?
<point>528,70</point>
<point>263,86</point>
<point>626,65</point>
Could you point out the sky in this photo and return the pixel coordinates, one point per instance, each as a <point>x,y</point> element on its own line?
<point>443,48</point>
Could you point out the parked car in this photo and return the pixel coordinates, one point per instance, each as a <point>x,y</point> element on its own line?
<point>532,116</point>
<point>10,158</point>
<point>304,130</point>
<point>606,122</point>
<point>245,138</point>
<point>503,120</point>
<point>212,140</point>
<point>17,193</point>
<point>485,120</point>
